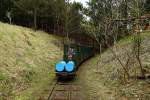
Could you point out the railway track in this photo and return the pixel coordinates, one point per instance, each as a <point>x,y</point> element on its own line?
<point>65,90</point>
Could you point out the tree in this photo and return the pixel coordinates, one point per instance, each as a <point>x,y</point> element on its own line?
<point>147,6</point>
<point>75,18</point>
<point>138,9</point>
<point>9,16</point>
<point>59,10</point>
<point>5,7</point>
<point>103,27</point>
<point>32,7</point>
<point>100,24</point>
<point>72,20</point>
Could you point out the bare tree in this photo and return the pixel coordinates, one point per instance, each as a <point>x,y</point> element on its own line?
<point>104,31</point>
<point>137,9</point>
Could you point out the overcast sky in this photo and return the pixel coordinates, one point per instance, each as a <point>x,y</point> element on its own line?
<point>82,1</point>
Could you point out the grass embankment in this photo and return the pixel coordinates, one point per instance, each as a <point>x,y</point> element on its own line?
<point>106,82</point>
<point>26,62</point>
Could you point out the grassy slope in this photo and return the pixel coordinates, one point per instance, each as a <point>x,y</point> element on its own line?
<point>26,62</point>
<point>108,83</point>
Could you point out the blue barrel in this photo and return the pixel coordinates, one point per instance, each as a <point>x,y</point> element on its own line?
<point>60,66</point>
<point>69,66</point>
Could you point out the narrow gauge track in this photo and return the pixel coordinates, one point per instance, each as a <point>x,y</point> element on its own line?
<point>63,90</point>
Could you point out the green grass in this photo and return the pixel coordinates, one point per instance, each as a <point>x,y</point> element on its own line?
<point>129,39</point>
<point>27,60</point>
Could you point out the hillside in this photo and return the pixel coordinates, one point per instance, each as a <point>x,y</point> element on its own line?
<point>26,62</point>
<point>106,81</point>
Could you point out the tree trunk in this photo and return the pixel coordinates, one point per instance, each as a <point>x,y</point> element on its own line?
<point>100,51</point>
<point>10,20</point>
<point>138,55</point>
<point>35,19</point>
<point>57,24</point>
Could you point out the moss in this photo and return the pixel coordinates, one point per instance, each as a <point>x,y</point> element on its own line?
<point>2,76</point>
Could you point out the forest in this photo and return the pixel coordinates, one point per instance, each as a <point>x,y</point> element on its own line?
<point>61,16</point>
<point>101,24</point>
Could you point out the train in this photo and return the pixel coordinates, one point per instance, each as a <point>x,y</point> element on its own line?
<point>74,55</point>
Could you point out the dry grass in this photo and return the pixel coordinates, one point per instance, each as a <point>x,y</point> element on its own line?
<point>27,61</point>
<point>108,82</point>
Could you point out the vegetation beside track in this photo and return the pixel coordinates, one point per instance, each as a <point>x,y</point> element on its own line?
<point>26,62</point>
<point>106,82</point>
